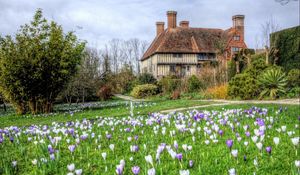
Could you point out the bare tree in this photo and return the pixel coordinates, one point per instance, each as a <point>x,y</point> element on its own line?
<point>284,2</point>
<point>268,27</point>
<point>115,53</point>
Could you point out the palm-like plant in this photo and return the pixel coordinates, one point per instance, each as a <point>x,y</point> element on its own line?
<point>273,82</point>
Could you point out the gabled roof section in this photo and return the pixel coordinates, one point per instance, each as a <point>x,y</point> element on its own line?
<point>184,40</point>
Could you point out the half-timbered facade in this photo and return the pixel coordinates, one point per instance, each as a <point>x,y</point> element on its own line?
<point>181,50</point>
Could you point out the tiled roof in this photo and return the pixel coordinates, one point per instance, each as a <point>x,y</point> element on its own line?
<point>185,40</point>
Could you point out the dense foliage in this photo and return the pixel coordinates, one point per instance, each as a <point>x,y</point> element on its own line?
<point>288,44</point>
<point>145,90</point>
<point>294,78</point>
<point>243,86</point>
<point>146,78</point>
<point>169,84</point>
<point>194,84</point>
<point>37,64</point>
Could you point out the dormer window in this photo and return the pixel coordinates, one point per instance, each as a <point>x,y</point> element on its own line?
<point>236,38</point>
<point>177,55</point>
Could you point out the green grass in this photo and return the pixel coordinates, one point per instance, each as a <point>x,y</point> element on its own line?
<point>118,110</point>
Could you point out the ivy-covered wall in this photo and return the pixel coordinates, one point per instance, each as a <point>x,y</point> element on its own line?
<point>288,43</point>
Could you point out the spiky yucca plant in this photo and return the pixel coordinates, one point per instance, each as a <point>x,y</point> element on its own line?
<point>273,83</point>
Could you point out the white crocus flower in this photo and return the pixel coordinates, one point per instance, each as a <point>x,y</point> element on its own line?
<point>231,171</point>
<point>297,163</point>
<point>184,172</point>
<point>184,147</point>
<point>151,171</point>
<point>149,159</point>
<point>254,139</point>
<point>234,153</point>
<point>78,172</point>
<point>104,155</point>
<point>112,147</point>
<point>34,161</point>
<point>71,167</point>
<point>295,141</point>
<point>259,145</point>
<point>276,140</point>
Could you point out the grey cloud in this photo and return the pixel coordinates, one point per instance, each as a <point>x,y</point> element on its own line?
<point>103,20</point>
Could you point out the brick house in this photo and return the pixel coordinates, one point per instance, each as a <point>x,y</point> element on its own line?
<point>182,50</point>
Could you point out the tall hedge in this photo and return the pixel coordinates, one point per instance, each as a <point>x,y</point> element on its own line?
<point>288,43</point>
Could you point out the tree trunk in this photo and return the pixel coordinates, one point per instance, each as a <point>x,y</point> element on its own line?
<point>33,106</point>
<point>4,107</point>
<point>267,55</point>
<point>215,83</point>
<point>237,66</point>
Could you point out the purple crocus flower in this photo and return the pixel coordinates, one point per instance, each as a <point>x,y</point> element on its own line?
<point>176,145</point>
<point>136,137</point>
<point>108,136</point>
<point>269,149</point>
<point>135,170</point>
<point>245,158</point>
<point>11,139</point>
<point>84,137</point>
<point>1,140</point>
<point>248,134</point>
<point>260,121</point>
<point>52,156</point>
<point>191,163</point>
<point>72,148</point>
<point>119,169</point>
<point>179,156</point>
<point>51,150</point>
<point>221,132</point>
<point>261,132</point>
<point>229,143</point>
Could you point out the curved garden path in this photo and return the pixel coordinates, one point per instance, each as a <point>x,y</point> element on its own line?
<point>228,102</point>
<point>295,101</point>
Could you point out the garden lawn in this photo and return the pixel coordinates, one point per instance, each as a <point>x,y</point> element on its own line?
<point>115,108</point>
<point>236,138</point>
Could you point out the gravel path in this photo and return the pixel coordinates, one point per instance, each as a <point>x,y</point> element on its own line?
<point>295,101</point>
<point>228,102</point>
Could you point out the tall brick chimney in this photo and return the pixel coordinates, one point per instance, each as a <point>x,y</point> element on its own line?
<point>172,19</point>
<point>160,27</point>
<point>184,24</point>
<point>238,23</point>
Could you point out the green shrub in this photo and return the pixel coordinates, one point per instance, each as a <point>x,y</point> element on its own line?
<point>294,78</point>
<point>257,66</point>
<point>294,92</point>
<point>272,82</point>
<point>169,84</point>
<point>243,86</point>
<point>145,90</point>
<point>194,84</point>
<point>146,78</point>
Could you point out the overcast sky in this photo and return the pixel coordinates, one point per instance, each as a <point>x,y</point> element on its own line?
<point>98,21</point>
